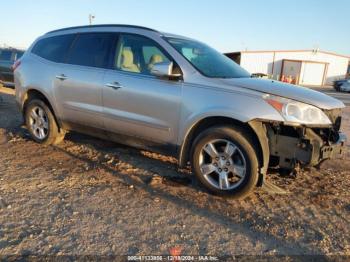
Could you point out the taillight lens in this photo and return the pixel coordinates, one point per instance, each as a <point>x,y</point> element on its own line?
<point>16,65</point>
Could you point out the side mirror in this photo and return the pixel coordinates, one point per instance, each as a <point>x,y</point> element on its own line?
<point>164,69</point>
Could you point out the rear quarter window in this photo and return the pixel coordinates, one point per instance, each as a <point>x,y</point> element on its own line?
<point>54,48</point>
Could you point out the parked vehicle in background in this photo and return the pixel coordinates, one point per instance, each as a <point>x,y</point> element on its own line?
<point>8,56</point>
<point>342,85</point>
<point>260,75</point>
<point>177,96</point>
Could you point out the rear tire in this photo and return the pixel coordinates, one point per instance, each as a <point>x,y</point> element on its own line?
<point>225,161</point>
<point>42,124</point>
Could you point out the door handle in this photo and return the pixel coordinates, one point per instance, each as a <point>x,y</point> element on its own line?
<point>114,85</point>
<point>62,77</point>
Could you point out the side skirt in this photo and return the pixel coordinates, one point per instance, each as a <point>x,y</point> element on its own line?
<point>137,142</point>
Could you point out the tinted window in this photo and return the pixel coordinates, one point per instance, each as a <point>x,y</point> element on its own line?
<point>53,48</point>
<point>92,50</point>
<point>5,55</point>
<point>138,54</point>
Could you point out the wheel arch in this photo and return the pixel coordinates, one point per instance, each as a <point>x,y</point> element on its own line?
<point>34,93</point>
<point>205,123</point>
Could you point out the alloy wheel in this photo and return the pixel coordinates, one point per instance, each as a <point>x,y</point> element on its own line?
<point>222,164</point>
<point>39,122</point>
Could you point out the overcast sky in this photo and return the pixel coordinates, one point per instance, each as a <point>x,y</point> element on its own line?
<point>228,25</point>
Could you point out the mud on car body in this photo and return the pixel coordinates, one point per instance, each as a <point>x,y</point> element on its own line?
<point>177,96</point>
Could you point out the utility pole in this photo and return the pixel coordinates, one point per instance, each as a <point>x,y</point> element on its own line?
<point>91,18</point>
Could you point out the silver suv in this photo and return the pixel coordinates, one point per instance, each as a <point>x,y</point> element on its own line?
<point>177,96</point>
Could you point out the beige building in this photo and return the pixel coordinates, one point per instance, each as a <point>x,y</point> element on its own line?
<point>303,67</point>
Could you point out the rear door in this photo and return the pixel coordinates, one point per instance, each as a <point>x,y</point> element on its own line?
<point>79,81</point>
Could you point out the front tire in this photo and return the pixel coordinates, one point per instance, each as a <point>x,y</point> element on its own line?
<point>225,162</point>
<point>42,124</point>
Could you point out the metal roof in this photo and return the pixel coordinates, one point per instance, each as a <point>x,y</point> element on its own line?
<point>287,51</point>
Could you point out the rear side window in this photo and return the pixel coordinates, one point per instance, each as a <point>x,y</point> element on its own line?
<point>92,49</point>
<point>54,48</point>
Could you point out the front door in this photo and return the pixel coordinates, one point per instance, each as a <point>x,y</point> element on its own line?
<point>136,103</point>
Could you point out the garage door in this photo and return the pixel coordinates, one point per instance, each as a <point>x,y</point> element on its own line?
<point>312,74</point>
<point>291,69</point>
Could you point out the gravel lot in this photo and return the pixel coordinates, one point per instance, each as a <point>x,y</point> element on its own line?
<point>93,197</point>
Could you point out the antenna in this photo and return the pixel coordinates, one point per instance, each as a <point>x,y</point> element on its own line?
<point>91,18</point>
<point>244,46</point>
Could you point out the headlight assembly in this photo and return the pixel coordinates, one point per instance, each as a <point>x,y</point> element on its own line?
<point>297,113</point>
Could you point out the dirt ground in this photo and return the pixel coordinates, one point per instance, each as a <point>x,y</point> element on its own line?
<point>93,197</point>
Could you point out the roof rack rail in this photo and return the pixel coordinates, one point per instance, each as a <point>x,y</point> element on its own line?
<point>102,25</point>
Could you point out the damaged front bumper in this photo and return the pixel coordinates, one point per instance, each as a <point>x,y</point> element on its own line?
<point>289,147</point>
<point>336,150</point>
<point>304,146</point>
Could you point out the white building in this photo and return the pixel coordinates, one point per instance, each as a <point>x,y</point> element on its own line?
<point>303,67</point>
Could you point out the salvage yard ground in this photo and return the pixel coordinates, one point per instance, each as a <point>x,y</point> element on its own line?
<point>92,197</point>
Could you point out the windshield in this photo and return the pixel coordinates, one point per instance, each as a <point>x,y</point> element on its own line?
<point>207,60</point>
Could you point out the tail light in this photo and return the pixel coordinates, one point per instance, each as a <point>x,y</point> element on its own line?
<point>16,65</point>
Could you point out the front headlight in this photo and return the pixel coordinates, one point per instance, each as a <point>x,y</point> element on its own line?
<point>296,113</point>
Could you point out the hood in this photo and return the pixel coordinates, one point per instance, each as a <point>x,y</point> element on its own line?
<point>298,93</point>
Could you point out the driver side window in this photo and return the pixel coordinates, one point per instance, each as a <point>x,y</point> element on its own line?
<point>138,54</point>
